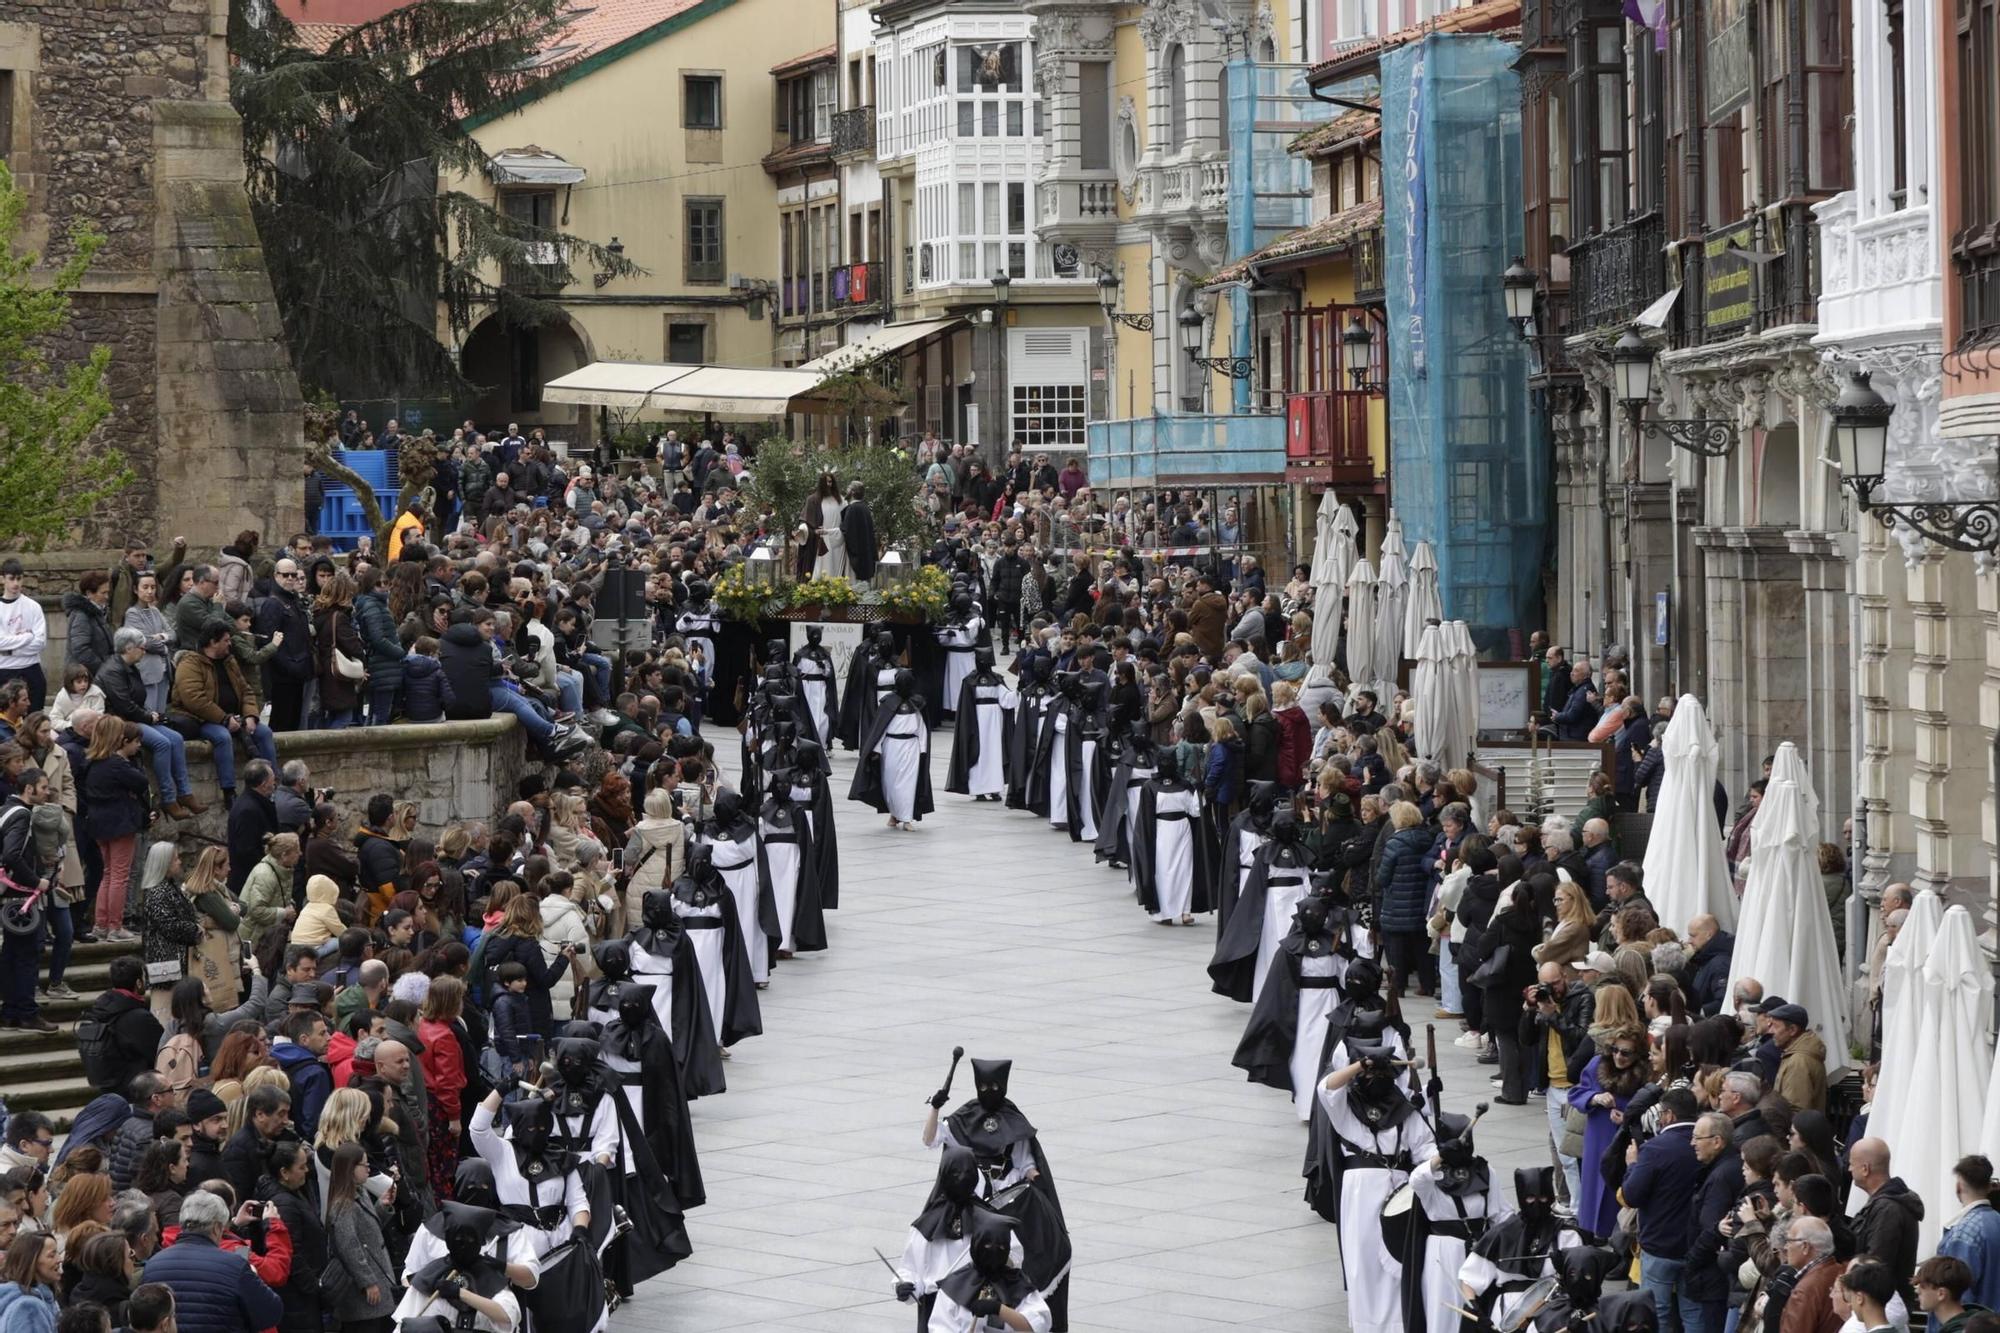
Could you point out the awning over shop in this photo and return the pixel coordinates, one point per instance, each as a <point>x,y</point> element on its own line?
<point>533,166</point>
<point>660,390</point>
<point>889,338</point>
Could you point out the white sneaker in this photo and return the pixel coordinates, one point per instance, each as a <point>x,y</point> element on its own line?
<point>1467,1040</point>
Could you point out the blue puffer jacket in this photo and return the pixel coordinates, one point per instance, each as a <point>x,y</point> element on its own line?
<point>377,627</point>
<point>1402,887</point>
<point>426,689</point>
<point>214,1290</point>
<point>27,1311</point>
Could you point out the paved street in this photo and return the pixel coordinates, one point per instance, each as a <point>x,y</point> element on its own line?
<point>987,930</point>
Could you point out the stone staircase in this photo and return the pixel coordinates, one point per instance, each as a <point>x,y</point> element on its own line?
<point>42,1071</point>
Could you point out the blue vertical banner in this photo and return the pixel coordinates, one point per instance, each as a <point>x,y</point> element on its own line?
<point>1415,193</point>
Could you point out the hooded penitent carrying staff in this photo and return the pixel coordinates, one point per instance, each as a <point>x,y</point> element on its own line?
<point>979,737</point>
<point>540,1185</point>
<point>1290,1035</point>
<point>857,692</point>
<point>1014,1176</point>
<point>706,910</point>
<point>1363,1016</point>
<point>1378,1138</point>
<point>1133,765</point>
<point>1280,879</point>
<point>1439,1214</point>
<point>940,1236</point>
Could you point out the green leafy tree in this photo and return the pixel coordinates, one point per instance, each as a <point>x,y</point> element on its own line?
<point>50,479</point>
<point>345,150</point>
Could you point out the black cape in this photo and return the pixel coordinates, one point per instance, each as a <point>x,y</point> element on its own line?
<point>825,836</point>
<point>867,785</point>
<point>965,731</point>
<point>1229,871</point>
<point>1271,1035</point>
<point>808,915</point>
<point>1027,767</point>
<point>741,1015</point>
<point>1145,875</point>
<point>1114,839</point>
<point>1233,968</point>
<point>1034,1206</point>
<point>857,698</point>
<point>693,1038</point>
<point>669,1130</point>
<point>857,530</point>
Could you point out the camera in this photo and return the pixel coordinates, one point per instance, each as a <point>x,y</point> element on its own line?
<point>1543,994</point>
<point>322,795</point>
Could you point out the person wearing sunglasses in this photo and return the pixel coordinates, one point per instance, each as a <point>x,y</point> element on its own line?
<point>1601,1093</point>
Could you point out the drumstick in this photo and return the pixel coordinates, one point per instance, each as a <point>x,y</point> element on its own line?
<point>957,1054</point>
<point>886,1264</point>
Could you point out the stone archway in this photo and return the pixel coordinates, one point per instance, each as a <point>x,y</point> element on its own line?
<point>511,363</point>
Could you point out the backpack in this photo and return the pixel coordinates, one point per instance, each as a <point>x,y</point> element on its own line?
<point>93,1043</point>
<point>179,1062</point>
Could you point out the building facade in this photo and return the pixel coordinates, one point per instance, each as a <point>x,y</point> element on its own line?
<point>691,194</point>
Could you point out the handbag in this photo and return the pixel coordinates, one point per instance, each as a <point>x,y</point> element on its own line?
<point>164,973</point>
<point>347,668</point>
<point>1575,1122</point>
<point>1493,971</point>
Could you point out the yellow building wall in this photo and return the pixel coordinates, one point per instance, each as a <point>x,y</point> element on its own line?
<point>621,123</point>
<point>1133,394</point>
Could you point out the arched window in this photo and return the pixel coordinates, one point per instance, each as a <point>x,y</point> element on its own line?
<point>1222,105</point>
<point>1176,76</point>
<point>1778,479</point>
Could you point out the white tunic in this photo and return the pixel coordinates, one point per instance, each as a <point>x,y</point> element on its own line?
<point>989,772</point>
<point>781,854</point>
<point>1088,802</point>
<point>902,747</point>
<point>736,862</point>
<point>833,561</point>
<point>1374,1279</point>
<point>1445,1255</point>
<point>1316,1004</point>
<point>426,1249</point>
<point>1059,770</point>
<point>1284,888</point>
<point>709,943</point>
<point>1174,851</point>
<point>957,642</point>
<point>813,684</point>
<point>928,1262</point>
<point>948,1316</point>
<point>650,969</point>
<point>511,1187</point>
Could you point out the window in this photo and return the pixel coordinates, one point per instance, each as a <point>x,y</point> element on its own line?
<point>1222,106</point>
<point>1093,86</point>
<point>1597,145</point>
<point>687,344</point>
<point>1176,80</point>
<point>1048,416</point>
<point>1829,97</point>
<point>1899,130</point>
<point>1975,243</point>
<point>701,101</point>
<point>1017,208</point>
<point>703,221</point>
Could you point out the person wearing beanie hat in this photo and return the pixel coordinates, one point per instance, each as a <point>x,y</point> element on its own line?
<point>318,923</point>
<point>208,1117</point>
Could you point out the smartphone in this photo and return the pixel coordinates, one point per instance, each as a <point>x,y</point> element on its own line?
<point>617,858</point>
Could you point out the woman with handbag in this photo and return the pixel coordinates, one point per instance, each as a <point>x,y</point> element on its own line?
<point>341,655</point>
<point>217,957</point>
<point>1601,1093</point>
<point>172,926</point>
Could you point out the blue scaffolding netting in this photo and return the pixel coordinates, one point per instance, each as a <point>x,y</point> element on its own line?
<point>1470,473</point>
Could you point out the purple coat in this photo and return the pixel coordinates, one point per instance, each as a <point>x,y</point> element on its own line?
<point>1597,1210</point>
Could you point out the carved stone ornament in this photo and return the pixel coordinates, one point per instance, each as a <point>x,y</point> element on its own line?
<point>1165,22</point>
<point>1125,136</point>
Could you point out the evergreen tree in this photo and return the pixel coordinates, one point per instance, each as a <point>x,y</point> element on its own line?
<point>345,152</point>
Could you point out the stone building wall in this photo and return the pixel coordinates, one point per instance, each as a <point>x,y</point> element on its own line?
<point>121,121</point>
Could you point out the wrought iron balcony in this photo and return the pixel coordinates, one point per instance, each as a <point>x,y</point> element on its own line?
<point>854,131</point>
<point>540,269</point>
<point>1750,277</point>
<point>1616,274</point>
<point>857,285</point>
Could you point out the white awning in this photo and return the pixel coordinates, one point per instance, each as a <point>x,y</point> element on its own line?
<point>666,389</point>
<point>889,338</point>
<point>1655,315</point>
<point>533,166</point>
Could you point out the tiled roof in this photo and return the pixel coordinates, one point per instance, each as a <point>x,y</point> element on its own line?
<point>319,37</point>
<point>1348,127</point>
<point>1487,16</point>
<point>825,53</point>
<point>1328,233</point>
<point>595,25</point>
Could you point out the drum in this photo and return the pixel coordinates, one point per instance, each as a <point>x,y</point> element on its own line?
<point>1529,1304</point>
<point>1399,1216</point>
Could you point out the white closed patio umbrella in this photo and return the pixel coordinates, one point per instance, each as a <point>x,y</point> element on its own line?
<point>1424,603</point>
<point>1333,557</point>
<point>1392,588</point>
<point>1940,1119</point>
<point>1784,936</point>
<point>1430,692</point>
<point>1461,716</point>
<point>1361,661</point>
<point>1686,873</point>
<point>1902,1021</point>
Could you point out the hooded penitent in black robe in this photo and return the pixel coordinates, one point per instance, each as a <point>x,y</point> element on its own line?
<point>867,785</point>
<point>1520,1248</point>
<point>684,1006</point>
<point>693,895</point>
<point>811,789</point>
<point>822,662</point>
<point>1027,763</point>
<point>1255,818</point>
<point>1270,1038</point>
<point>965,738</point>
<point>656,1087</point>
<point>779,820</point>
<point>1233,969</point>
<point>1450,1207</point>
<point>857,531</point>
<point>1135,763</point>
<point>1086,724</point>
<point>857,697</point>
<point>990,1126</point>
<point>1145,874</point>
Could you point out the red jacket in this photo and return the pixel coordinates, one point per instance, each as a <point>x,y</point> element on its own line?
<point>339,1057</point>
<point>444,1065</point>
<point>1295,745</point>
<point>273,1264</point>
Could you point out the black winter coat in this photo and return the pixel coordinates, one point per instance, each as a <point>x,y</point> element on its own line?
<point>89,632</point>
<point>252,818</point>
<point>116,789</point>
<point>1401,884</point>
<point>124,691</point>
<point>381,860</point>
<point>128,1145</point>
<point>1260,755</point>
<point>132,1039</point>
<point>468,665</point>
<point>427,692</point>
<point>542,976</point>
<point>377,627</point>
<point>284,612</point>
<point>301,1213</point>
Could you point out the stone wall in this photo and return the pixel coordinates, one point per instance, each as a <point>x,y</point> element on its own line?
<point>121,122</point>
<point>453,770</point>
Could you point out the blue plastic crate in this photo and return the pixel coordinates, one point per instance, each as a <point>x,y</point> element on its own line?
<point>377,467</point>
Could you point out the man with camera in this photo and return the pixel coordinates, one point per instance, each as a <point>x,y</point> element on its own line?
<point>1556,1026</point>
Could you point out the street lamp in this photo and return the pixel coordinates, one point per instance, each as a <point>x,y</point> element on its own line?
<point>1359,340</point>
<point>1107,296</point>
<point>1518,283</point>
<point>1861,433</point>
<point>1632,381</point>
<point>1003,286</point>
<point>1194,335</point>
<point>616,252</point>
